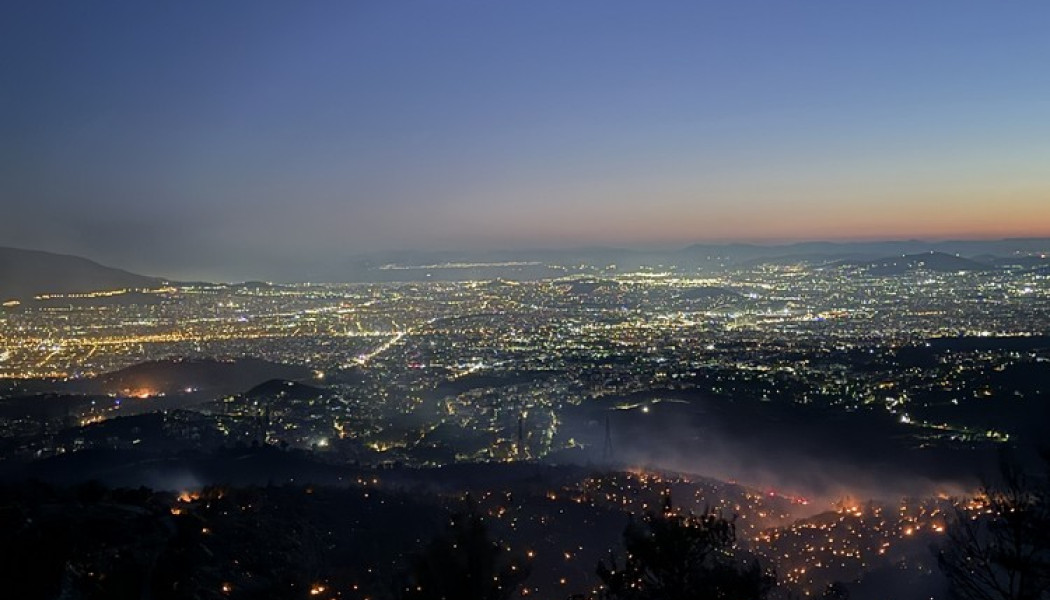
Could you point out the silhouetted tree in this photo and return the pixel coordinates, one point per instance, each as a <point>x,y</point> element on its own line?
<point>675,556</point>
<point>464,563</point>
<point>1003,551</point>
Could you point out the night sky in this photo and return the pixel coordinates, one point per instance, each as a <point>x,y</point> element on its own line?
<point>216,139</point>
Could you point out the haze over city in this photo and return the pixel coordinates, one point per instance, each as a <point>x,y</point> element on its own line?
<point>157,138</point>
<point>554,300</point>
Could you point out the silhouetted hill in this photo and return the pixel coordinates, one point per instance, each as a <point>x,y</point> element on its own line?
<point>282,388</point>
<point>27,273</point>
<point>1013,262</point>
<point>173,376</point>
<point>586,288</point>
<point>937,262</point>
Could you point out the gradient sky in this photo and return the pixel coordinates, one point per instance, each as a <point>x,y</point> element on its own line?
<point>216,139</point>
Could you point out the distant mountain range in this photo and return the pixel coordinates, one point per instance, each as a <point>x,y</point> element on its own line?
<point>1026,253</point>
<point>28,273</point>
<point>813,251</point>
<point>936,262</point>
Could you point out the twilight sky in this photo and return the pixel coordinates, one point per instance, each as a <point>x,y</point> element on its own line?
<point>216,139</point>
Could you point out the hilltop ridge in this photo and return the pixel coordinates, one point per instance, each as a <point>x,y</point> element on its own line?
<point>28,273</point>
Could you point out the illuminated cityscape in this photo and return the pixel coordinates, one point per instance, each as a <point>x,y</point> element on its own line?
<point>589,300</point>
<point>649,382</point>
